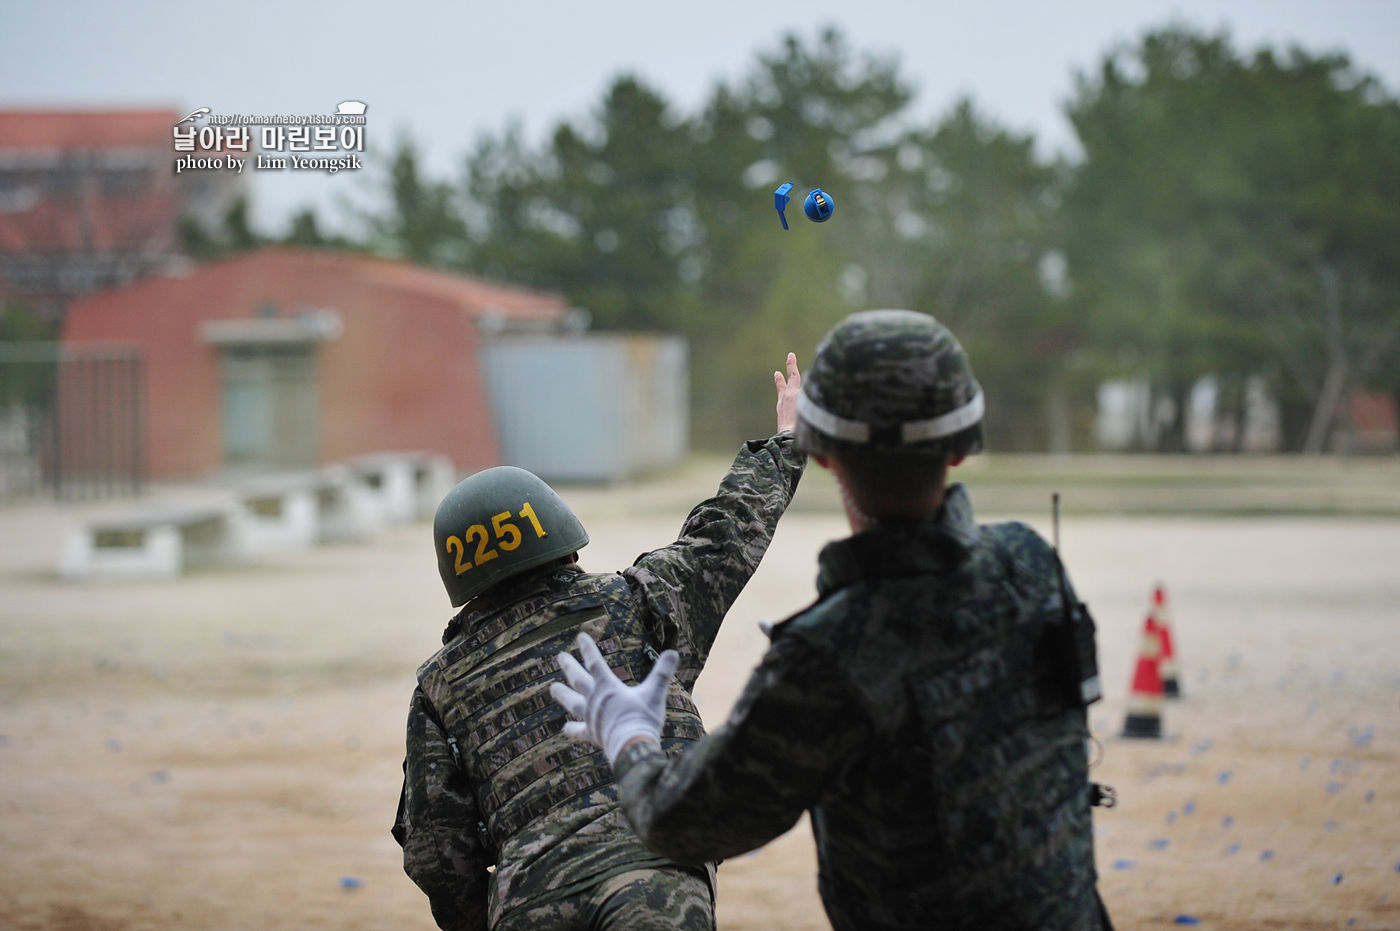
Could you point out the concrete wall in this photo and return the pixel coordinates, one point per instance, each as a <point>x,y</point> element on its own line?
<point>594,408</point>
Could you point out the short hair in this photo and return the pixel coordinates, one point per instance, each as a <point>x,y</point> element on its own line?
<point>892,478</point>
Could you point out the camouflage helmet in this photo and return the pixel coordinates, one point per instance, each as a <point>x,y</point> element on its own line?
<point>890,381</point>
<point>496,524</point>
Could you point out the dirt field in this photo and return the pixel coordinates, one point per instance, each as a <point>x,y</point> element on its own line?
<point>223,752</point>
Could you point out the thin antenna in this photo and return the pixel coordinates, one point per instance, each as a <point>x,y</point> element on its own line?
<point>1055,517</point>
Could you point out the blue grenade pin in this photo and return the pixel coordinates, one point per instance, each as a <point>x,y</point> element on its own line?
<point>780,201</point>
<point>818,206</point>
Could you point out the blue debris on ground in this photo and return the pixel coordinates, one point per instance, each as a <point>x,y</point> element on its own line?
<point>1337,880</point>
<point>160,776</point>
<point>1124,864</point>
<point>1189,809</point>
<point>1186,920</point>
<point>1333,787</point>
<point>351,882</point>
<point>1158,843</point>
<point>1224,776</point>
<point>1329,825</point>
<point>1171,817</point>
<point>1265,855</point>
<point>1234,849</point>
<point>1361,739</point>
<point>1226,821</point>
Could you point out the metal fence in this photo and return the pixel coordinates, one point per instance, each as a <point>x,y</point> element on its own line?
<point>70,421</point>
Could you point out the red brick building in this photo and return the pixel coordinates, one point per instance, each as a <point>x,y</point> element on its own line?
<point>289,357</point>
<point>88,200</point>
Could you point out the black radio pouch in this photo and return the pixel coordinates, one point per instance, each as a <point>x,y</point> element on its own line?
<point>1072,639</point>
<point>1077,662</point>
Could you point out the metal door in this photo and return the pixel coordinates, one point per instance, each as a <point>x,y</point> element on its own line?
<point>270,406</point>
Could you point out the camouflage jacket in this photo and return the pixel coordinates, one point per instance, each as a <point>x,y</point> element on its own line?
<point>915,711</point>
<point>553,848</point>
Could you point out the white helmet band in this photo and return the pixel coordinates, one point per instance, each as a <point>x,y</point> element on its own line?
<point>913,431</point>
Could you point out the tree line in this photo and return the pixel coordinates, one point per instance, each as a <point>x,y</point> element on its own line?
<point>1231,214</point>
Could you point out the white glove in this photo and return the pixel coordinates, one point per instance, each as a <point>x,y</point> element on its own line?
<point>612,714</point>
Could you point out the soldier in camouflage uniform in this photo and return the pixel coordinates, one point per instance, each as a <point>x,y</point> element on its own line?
<point>917,709</point>
<point>504,821</point>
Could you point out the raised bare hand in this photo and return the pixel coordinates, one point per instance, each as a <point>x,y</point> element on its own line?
<point>788,389</point>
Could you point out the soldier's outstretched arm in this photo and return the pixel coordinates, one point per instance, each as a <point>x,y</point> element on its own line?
<point>688,587</point>
<point>750,780</point>
<point>436,825</point>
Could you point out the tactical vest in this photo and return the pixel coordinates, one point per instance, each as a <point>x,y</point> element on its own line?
<point>978,777</point>
<point>490,686</point>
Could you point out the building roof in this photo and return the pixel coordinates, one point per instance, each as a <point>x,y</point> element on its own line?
<point>276,272</point>
<point>88,198</point>
<point>85,130</point>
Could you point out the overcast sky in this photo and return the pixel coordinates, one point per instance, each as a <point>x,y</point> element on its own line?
<point>447,72</point>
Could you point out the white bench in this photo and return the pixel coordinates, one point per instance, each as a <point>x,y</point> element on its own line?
<point>156,543</point>
<point>347,511</point>
<point>281,512</point>
<point>275,513</point>
<point>405,486</point>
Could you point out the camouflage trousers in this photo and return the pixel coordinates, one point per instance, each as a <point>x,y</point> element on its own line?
<point>657,899</point>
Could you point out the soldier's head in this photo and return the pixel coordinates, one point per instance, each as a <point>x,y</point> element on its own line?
<point>888,404</point>
<point>497,524</point>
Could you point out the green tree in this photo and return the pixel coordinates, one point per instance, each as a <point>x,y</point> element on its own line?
<point>654,220</point>
<point>1238,215</point>
<point>963,226</point>
<point>807,113</point>
<point>423,221</point>
<point>238,230</point>
<point>605,212</point>
<point>26,380</point>
<point>20,321</point>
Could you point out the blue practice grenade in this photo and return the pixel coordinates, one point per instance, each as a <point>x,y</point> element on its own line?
<point>818,206</point>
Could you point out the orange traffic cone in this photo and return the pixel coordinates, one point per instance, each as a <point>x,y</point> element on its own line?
<point>1160,620</point>
<point>1145,700</point>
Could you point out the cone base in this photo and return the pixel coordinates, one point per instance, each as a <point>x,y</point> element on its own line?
<point>1144,726</point>
<point>1170,688</point>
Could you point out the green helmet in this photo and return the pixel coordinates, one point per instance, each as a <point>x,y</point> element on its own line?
<point>890,381</point>
<point>496,524</point>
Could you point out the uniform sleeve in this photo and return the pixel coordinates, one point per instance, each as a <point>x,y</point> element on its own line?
<point>687,588</point>
<point>437,826</point>
<point>789,734</point>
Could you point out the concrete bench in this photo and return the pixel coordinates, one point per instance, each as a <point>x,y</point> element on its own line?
<point>405,486</point>
<point>155,543</point>
<point>347,510</point>
<point>346,502</point>
<point>281,512</point>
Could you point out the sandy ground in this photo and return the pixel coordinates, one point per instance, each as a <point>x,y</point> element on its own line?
<point>222,752</point>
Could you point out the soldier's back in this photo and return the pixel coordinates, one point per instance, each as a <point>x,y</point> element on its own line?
<point>967,806</point>
<point>549,804</point>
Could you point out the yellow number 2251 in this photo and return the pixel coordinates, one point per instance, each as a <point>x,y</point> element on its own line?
<point>507,535</point>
